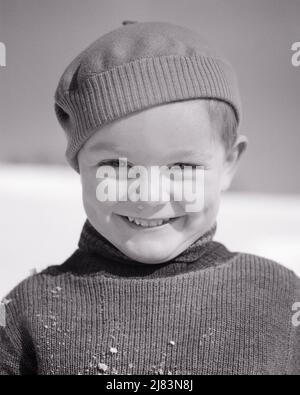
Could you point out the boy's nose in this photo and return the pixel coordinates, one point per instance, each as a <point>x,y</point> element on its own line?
<point>152,192</point>
<point>149,208</point>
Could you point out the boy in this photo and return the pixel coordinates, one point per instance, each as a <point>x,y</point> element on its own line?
<point>148,291</point>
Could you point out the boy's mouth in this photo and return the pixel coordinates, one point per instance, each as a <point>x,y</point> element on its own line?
<point>139,223</point>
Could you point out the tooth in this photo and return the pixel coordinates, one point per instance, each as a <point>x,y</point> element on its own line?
<point>155,222</point>
<point>148,223</point>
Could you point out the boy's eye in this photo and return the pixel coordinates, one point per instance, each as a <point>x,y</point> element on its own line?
<point>118,163</point>
<point>113,163</point>
<point>182,165</point>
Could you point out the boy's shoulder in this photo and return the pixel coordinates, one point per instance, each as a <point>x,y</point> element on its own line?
<point>264,262</point>
<point>48,278</point>
<point>251,265</point>
<point>269,270</point>
<point>52,282</point>
<point>44,283</point>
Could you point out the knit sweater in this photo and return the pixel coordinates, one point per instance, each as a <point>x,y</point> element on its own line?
<point>206,311</point>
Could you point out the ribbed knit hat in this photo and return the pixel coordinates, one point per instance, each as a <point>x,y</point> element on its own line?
<point>134,67</point>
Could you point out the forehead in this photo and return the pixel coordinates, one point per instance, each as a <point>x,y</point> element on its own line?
<point>170,128</point>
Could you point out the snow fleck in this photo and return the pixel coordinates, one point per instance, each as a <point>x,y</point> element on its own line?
<point>5,301</point>
<point>103,367</point>
<point>172,342</point>
<point>130,365</point>
<point>56,290</point>
<point>113,350</point>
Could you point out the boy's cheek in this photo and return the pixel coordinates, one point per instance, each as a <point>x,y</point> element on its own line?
<point>212,191</point>
<point>213,182</point>
<point>98,213</point>
<point>88,186</point>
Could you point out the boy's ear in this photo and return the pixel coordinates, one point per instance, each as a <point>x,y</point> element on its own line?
<point>231,161</point>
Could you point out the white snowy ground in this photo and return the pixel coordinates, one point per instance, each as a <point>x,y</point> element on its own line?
<point>42,215</point>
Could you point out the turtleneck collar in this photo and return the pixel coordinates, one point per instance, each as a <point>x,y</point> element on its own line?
<point>97,255</point>
<point>92,241</point>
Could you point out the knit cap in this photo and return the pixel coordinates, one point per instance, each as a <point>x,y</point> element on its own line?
<point>134,67</point>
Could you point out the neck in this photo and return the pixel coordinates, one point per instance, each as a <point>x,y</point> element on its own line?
<point>98,255</point>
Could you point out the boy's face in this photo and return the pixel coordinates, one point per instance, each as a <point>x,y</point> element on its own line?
<point>156,137</point>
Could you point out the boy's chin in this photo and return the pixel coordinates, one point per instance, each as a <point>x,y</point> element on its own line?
<point>150,254</point>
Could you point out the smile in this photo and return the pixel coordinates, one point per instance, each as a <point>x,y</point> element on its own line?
<point>137,222</point>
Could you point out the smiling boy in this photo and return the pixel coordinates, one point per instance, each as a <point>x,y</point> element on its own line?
<point>157,136</point>
<point>148,291</point>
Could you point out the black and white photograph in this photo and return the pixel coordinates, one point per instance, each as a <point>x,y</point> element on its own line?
<point>149,190</point>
